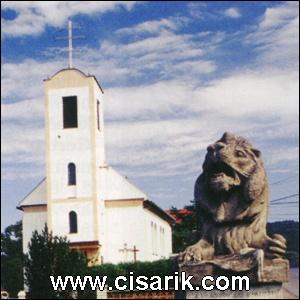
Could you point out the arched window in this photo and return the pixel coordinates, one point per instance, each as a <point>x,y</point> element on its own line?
<point>71,174</point>
<point>98,114</point>
<point>73,222</point>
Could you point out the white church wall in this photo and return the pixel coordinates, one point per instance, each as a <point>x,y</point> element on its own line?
<point>168,241</point>
<point>70,145</point>
<point>84,211</point>
<point>160,234</point>
<point>132,225</point>
<point>125,225</point>
<point>100,160</point>
<point>32,221</point>
<point>100,152</point>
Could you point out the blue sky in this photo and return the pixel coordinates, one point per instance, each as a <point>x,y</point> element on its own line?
<point>176,75</point>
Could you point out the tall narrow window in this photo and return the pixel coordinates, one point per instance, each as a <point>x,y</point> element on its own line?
<point>70,112</point>
<point>98,114</point>
<point>73,222</point>
<point>155,239</point>
<point>71,174</point>
<point>152,237</point>
<point>162,242</point>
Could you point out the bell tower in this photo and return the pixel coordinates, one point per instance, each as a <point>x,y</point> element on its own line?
<point>74,153</point>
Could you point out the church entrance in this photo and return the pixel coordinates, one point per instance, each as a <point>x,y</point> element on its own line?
<point>90,249</point>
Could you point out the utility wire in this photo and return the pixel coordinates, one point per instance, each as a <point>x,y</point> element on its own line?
<point>282,180</point>
<point>286,197</point>
<point>281,203</point>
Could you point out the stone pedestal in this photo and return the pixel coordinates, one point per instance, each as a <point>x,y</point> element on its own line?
<point>102,294</point>
<point>22,295</point>
<point>264,291</point>
<point>265,277</point>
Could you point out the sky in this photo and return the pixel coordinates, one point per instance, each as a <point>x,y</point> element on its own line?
<point>175,75</point>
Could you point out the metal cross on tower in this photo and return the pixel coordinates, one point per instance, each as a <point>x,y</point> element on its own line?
<point>70,48</point>
<point>70,39</point>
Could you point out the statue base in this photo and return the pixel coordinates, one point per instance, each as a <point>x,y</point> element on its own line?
<point>265,277</point>
<point>265,291</point>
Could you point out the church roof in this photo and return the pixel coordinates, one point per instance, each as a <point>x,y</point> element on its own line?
<point>116,187</point>
<point>119,187</point>
<point>158,211</point>
<point>36,197</point>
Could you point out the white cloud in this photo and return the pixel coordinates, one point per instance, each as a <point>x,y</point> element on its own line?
<point>155,26</point>
<point>28,171</point>
<point>232,13</point>
<point>278,16</point>
<point>24,80</point>
<point>165,56</point>
<point>157,43</point>
<point>277,36</point>
<point>253,93</point>
<point>192,68</point>
<point>23,111</point>
<point>244,94</point>
<point>282,154</point>
<point>34,16</point>
<point>167,119</point>
<point>23,140</point>
<point>163,126</point>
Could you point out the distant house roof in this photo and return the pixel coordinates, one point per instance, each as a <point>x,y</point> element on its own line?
<point>179,215</point>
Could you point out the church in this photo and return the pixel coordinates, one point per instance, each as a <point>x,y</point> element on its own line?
<point>82,197</point>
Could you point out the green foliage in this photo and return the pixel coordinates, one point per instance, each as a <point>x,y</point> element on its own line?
<point>184,230</point>
<point>160,267</point>
<point>12,259</point>
<point>50,255</point>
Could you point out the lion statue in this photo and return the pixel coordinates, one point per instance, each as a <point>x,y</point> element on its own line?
<point>232,199</point>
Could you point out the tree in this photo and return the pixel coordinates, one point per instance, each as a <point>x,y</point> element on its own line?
<point>184,230</point>
<point>187,229</point>
<point>12,259</point>
<point>51,255</point>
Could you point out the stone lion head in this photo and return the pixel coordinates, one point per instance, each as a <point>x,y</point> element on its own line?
<point>229,162</point>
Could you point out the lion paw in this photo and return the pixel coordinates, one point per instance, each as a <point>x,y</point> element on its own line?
<point>191,253</point>
<point>199,251</point>
<point>276,246</point>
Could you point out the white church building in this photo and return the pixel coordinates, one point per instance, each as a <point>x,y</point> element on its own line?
<point>82,197</point>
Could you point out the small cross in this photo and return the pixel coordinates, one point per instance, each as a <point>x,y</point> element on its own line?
<point>135,250</point>
<point>126,250</point>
